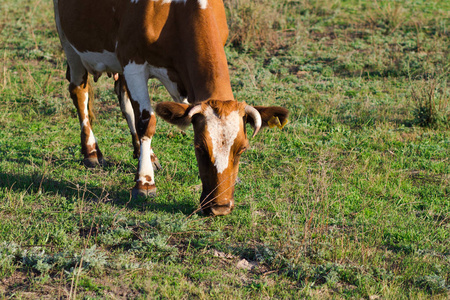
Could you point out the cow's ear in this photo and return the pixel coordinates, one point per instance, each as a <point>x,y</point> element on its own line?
<point>174,113</point>
<point>271,116</point>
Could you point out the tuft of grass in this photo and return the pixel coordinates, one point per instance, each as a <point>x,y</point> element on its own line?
<point>431,104</point>
<point>257,24</point>
<point>388,15</point>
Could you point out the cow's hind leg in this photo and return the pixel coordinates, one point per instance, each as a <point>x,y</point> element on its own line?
<point>128,113</point>
<point>80,92</point>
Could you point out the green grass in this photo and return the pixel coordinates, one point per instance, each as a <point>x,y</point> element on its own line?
<point>349,200</point>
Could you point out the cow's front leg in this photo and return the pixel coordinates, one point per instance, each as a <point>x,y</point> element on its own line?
<point>127,111</point>
<point>80,94</point>
<point>136,77</point>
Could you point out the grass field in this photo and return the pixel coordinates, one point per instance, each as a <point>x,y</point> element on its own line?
<point>349,200</point>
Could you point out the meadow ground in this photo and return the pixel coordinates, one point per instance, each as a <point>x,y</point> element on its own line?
<point>349,200</point>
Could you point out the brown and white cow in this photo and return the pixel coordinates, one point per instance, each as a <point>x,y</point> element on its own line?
<point>179,42</point>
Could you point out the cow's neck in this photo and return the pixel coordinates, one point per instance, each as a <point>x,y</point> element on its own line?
<point>206,71</point>
<point>208,79</point>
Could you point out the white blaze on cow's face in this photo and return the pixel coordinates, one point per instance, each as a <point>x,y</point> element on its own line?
<point>223,131</point>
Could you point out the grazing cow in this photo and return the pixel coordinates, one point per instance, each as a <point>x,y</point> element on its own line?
<point>179,42</point>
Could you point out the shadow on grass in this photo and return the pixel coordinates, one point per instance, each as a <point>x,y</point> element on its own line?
<point>37,183</point>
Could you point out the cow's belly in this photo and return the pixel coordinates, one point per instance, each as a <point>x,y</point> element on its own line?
<point>99,62</point>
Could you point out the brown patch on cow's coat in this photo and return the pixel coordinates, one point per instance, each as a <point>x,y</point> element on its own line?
<point>224,108</point>
<point>91,25</point>
<point>151,126</point>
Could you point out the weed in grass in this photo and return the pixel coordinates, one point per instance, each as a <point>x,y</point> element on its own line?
<point>8,254</point>
<point>388,15</point>
<point>433,284</point>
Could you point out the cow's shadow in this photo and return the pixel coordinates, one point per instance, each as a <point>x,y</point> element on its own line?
<point>38,183</point>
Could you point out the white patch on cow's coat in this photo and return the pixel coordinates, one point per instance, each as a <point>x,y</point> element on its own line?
<point>136,76</point>
<point>91,138</point>
<point>223,133</point>
<point>99,62</point>
<point>145,162</point>
<point>85,122</point>
<point>203,3</point>
<point>127,110</point>
<point>172,87</point>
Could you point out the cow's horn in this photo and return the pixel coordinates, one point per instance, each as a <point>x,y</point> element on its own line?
<point>254,114</point>
<point>195,110</point>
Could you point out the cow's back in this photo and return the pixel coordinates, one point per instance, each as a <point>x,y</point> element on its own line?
<point>141,28</point>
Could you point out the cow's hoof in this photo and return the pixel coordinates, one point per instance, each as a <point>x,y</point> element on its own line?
<point>93,162</point>
<point>149,192</point>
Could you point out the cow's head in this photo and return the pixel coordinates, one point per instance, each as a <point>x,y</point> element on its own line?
<point>220,138</point>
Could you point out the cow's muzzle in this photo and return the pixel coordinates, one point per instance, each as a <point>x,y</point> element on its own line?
<point>214,209</point>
